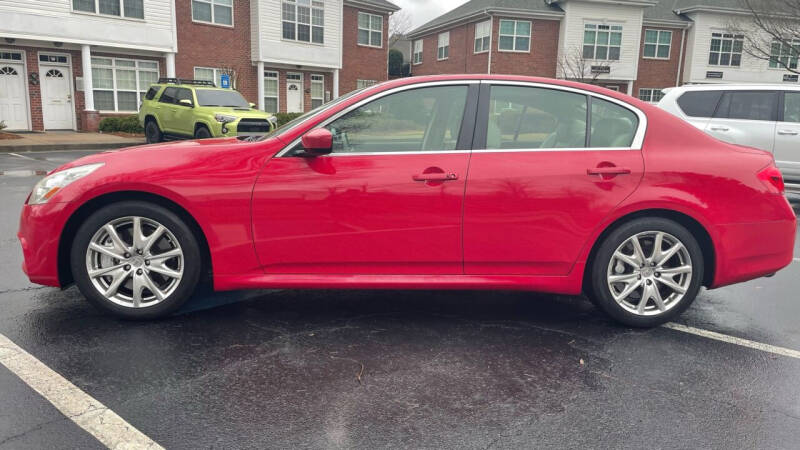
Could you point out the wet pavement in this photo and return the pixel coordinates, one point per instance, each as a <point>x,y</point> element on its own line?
<point>377,369</point>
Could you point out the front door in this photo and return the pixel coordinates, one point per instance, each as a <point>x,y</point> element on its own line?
<point>294,92</point>
<point>537,186</point>
<point>13,98</point>
<point>57,107</point>
<point>387,200</point>
<point>787,138</point>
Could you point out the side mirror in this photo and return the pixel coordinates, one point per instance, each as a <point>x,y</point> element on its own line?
<point>318,142</point>
<point>252,105</point>
<point>186,102</point>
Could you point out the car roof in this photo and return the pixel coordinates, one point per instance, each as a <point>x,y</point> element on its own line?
<point>735,87</point>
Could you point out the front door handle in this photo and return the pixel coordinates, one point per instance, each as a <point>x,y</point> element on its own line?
<point>787,132</point>
<point>612,170</point>
<point>719,128</point>
<point>436,176</point>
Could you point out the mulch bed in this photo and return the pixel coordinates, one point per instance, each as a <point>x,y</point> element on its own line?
<point>9,136</point>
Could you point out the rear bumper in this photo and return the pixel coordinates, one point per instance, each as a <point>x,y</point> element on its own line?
<point>752,250</point>
<point>39,233</point>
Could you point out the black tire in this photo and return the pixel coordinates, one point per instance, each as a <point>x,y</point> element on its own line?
<point>600,292</point>
<point>202,132</point>
<point>192,259</point>
<point>152,133</point>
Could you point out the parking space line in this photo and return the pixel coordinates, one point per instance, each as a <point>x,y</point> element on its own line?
<point>21,156</point>
<point>86,412</point>
<point>734,340</point>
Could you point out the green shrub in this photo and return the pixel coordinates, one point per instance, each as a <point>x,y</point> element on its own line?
<point>121,124</point>
<point>2,125</point>
<point>283,118</point>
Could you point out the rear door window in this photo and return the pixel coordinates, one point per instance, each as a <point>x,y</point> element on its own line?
<point>699,103</point>
<point>168,96</point>
<point>183,94</point>
<point>151,93</point>
<point>748,105</point>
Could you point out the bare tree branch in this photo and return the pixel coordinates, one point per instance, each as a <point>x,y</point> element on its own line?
<point>399,25</point>
<point>574,66</point>
<point>770,29</point>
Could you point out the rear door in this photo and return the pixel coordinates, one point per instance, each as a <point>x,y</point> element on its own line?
<point>183,115</point>
<point>787,137</point>
<point>165,109</point>
<point>540,180</point>
<point>746,118</point>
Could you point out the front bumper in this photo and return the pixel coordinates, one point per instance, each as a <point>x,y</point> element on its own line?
<point>245,127</point>
<point>40,229</point>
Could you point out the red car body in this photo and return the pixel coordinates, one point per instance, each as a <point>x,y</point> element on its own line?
<point>506,220</point>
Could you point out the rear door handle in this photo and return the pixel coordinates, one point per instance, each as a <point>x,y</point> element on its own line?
<point>719,128</point>
<point>787,132</point>
<point>438,176</point>
<point>613,170</point>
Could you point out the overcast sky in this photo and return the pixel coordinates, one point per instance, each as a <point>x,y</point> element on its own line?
<point>421,11</point>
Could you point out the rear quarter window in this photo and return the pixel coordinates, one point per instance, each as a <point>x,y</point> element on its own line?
<point>151,93</point>
<point>699,103</point>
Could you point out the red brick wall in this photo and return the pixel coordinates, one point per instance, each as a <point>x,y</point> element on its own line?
<point>542,59</point>
<point>659,73</point>
<point>361,62</point>
<point>462,57</point>
<point>217,46</point>
<point>306,85</point>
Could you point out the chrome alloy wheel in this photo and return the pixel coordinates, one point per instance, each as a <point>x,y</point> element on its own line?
<point>649,273</point>
<point>134,262</point>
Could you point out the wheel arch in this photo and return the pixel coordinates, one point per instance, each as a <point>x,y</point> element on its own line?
<point>152,117</point>
<point>75,220</point>
<point>204,124</point>
<point>690,223</point>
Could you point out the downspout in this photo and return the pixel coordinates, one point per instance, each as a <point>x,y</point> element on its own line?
<point>680,59</point>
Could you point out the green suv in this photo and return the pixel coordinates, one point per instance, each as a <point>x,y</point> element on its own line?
<point>178,108</point>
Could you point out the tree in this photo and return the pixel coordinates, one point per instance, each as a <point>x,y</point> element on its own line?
<point>395,63</point>
<point>399,25</point>
<point>572,65</point>
<point>771,31</point>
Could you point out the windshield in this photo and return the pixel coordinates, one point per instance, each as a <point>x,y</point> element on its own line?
<point>293,122</point>
<point>217,97</point>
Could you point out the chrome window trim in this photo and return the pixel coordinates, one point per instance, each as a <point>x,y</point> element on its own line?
<point>638,139</point>
<point>363,102</point>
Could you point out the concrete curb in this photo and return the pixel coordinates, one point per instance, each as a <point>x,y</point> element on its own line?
<point>51,147</point>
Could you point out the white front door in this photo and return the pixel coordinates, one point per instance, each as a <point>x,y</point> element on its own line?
<point>294,92</point>
<point>13,98</point>
<point>57,108</point>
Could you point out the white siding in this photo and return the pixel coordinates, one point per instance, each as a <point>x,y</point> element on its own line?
<point>752,69</point>
<point>578,13</point>
<point>54,20</point>
<point>277,50</point>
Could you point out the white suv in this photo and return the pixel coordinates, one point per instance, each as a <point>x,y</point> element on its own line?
<point>761,116</point>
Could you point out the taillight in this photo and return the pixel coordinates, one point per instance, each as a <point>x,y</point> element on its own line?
<point>772,177</point>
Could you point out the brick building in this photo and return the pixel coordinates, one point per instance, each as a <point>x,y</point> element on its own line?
<point>65,64</point>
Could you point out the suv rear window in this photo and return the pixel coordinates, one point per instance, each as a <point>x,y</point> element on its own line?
<point>151,93</point>
<point>699,103</point>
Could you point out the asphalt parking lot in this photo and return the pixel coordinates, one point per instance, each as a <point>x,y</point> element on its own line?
<point>373,369</point>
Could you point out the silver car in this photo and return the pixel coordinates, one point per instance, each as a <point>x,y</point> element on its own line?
<point>761,116</point>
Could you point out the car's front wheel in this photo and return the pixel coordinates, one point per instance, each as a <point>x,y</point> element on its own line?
<point>646,272</point>
<point>202,133</point>
<point>136,260</point>
<point>152,133</point>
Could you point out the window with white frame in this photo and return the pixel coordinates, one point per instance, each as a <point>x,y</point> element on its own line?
<point>370,29</point>
<point>443,50</point>
<point>270,91</point>
<point>784,54</point>
<point>650,95</point>
<point>417,54</point>
<point>317,90</point>
<point>133,9</point>
<point>483,34</point>
<point>119,84</point>
<point>361,84</point>
<point>657,43</point>
<point>514,36</point>
<point>208,74</point>
<point>726,49</point>
<point>303,20</point>
<point>602,42</point>
<point>213,11</point>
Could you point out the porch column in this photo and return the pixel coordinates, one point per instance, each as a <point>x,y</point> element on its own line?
<point>335,84</point>
<point>260,81</point>
<point>170,59</point>
<point>86,68</point>
<point>630,87</point>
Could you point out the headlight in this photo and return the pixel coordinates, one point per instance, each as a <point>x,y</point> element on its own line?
<point>224,118</point>
<point>49,185</point>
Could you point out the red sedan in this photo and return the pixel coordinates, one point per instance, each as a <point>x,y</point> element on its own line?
<point>447,182</point>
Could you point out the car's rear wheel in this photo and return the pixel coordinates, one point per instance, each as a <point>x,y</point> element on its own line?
<point>646,272</point>
<point>202,133</point>
<point>136,260</point>
<point>152,133</point>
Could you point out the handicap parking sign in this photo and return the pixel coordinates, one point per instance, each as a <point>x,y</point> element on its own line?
<point>225,81</point>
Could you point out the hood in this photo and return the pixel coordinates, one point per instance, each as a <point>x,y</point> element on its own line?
<point>242,113</point>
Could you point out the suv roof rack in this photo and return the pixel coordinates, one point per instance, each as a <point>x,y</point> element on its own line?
<point>186,81</point>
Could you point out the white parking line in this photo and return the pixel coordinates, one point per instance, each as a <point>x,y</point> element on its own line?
<point>21,156</point>
<point>734,340</point>
<point>99,421</point>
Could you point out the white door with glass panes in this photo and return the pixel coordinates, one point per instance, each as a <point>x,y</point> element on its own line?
<point>57,107</point>
<point>13,98</point>
<point>294,92</point>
